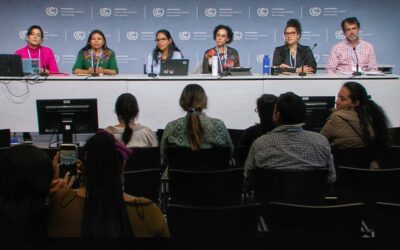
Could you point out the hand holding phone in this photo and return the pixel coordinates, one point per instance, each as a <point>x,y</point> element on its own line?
<point>68,159</point>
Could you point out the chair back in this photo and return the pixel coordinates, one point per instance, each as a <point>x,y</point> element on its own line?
<point>143,158</point>
<point>143,183</point>
<point>236,135</point>
<point>386,220</point>
<point>184,158</point>
<point>353,157</point>
<point>231,222</point>
<point>206,188</point>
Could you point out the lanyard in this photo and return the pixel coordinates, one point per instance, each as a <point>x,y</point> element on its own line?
<point>291,60</point>
<point>220,60</point>
<point>98,59</point>
<point>29,54</point>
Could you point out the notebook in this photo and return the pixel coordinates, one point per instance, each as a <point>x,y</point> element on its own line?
<point>10,65</point>
<point>31,66</point>
<point>174,67</point>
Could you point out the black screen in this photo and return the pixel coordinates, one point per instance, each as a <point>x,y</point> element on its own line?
<point>318,109</point>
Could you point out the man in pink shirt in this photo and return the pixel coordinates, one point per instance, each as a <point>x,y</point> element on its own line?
<point>34,49</point>
<point>344,55</point>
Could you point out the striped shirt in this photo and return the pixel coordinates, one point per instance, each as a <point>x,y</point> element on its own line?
<point>343,58</point>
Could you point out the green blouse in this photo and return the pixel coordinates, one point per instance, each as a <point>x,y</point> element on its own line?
<point>107,60</point>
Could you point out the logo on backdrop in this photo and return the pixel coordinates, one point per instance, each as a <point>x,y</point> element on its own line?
<point>237,35</point>
<point>317,57</point>
<point>262,12</point>
<point>158,12</point>
<point>184,35</point>
<point>315,11</point>
<point>52,11</point>
<point>79,35</point>
<point>210,12</point>
<point>260,58</point>
<point>339,35</point>
<point>22,34</point>
<point>132,35</point>
<point>105,12</point>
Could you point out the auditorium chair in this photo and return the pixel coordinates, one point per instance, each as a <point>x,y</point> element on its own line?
<point>143,158</point>
<point>143,183</point>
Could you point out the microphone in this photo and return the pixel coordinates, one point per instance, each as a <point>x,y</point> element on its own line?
<point>151,74</point>
<point>94,73</point>
<point>357,73</point>
<point>302,73</point>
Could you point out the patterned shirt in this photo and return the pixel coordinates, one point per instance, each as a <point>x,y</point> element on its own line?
<point>225,62</point>
<point>343,59</point>
<point>215,134</point>
<point>106,60</point>
<point>290,147</point>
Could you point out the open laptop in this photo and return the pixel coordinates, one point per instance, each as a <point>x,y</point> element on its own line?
<point>174,67</point>
<point>31,66</point>
<point>10,65</point>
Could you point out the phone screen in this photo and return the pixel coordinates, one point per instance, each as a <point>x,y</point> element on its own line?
<point>68,158</point>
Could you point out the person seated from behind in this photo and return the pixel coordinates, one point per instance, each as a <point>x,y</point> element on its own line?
<point>34,49</point>
<point>100,208</point>
<point>127,131</point>
<point>195,130</point>
<point>165,50</point>
<point>357,121</point>
<point>288,145</point>
<point>227,57</point>
<point>294,55</point>
<point>96,57</point>
<point>265,108</point>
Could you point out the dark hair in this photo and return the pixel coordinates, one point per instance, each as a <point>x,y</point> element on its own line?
<point>25,177</point>
<point>370,114</point>
<point>105,213</point>
<point>228,30</point>
<point>294,23</point>
<point>35,27</point>
<point>351,20</point>
<point>88,46</point>
<point>265,107</point>
<point>171,48</point>
<point>291,108</point>
<point>194,100</point>
<point>127,108</point>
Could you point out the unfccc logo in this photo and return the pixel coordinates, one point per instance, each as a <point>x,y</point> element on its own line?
<point>51,11</point>
<point>262,12</point>
<point>105,12</point>
<point>158,12</point>
<point>79,35</point>
<point>315,11</point>
<point>22,34</point>
<point>184,35</point>
<point>260,58</point>
<point>132,35</point>
<point>237,35</point>
<point>339,35</point>
<point>210,12</point>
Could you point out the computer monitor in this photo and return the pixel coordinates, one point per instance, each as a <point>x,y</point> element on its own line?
<point>318,109</point>
<point>10,65</point>
<point>67,117</point>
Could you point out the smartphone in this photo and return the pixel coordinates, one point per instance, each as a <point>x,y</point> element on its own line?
<point>68,159</point>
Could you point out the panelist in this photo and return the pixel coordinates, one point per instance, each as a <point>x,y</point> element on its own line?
<point>346,54</point>
<point>227,57</point>
<point>293,55</point>
<point>96,57</point>
<point>165,49</point>
<point>34,49</point>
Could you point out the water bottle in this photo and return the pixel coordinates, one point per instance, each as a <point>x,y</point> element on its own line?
<point>214,66</point>
<point>266,65</point>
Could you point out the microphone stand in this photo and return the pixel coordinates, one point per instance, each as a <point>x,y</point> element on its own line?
<point>357,73</point>
<point>302,73</point>
<point>94,73</point>
<point>152,74</point>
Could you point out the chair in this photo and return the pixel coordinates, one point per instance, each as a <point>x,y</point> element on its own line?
<point>143,183</point>
<point>394,136</point>
<point>342,220</point>
<point>353,157</point>
<point>184,158</point>
<point>386,220</point>
<point>240,155</point>
<point>206,188</point>
<point>231,222</point>
<point>143,158</point>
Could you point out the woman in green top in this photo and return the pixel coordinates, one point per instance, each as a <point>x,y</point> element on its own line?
<point>96,57</point>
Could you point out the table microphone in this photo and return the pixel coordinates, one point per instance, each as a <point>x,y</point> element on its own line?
<point>94,73</point>
<point>152,74</point>
<point>302,73</point>
<point>357,73</point>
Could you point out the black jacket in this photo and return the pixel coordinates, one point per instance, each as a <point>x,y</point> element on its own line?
<point>304,56</point>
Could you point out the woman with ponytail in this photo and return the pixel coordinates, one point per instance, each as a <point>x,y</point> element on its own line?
<point>127,131</point>
<point>357,121</point>
<point>196,130</point>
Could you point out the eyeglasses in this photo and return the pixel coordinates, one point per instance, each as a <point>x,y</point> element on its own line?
<point>256,110</point>
<point>290,33</point>
<point>161,39</point>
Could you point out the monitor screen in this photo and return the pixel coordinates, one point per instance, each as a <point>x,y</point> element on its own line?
<point>67,117</point>
<point>318,109</point>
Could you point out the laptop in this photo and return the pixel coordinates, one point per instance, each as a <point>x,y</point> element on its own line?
<point>10,65</point>
<point>240,71</point>
<point>5,138</point>
<point>174,67</point>
<point>31,66</point>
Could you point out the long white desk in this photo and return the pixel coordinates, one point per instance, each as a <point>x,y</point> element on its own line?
<point>232,99</point>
